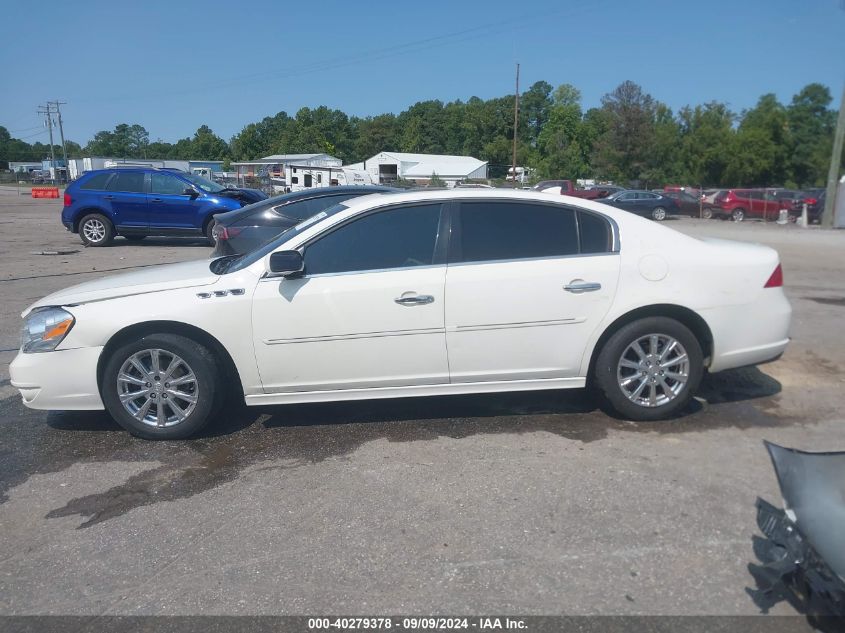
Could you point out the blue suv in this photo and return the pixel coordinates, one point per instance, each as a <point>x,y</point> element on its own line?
<point>140,201</point>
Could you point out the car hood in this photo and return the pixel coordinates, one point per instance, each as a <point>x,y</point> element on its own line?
<point>149,279</point>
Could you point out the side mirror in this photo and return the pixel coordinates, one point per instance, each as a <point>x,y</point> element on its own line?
<point>190,191</point>
<point>286,263</point>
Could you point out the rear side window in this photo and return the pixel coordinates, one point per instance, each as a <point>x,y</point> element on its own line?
<point>492,231</point>
<point>397,238</point>
<point>128,181</point>
<point>97,181</point>
<point>596,235</point>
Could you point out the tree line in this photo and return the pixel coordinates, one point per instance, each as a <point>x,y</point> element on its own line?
<point>631,138</point>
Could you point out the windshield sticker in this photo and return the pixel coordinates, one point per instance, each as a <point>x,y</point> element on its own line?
<point>311,220</point>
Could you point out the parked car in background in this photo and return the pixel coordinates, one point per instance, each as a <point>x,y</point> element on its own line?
<point>566,188</point>
<point>606,190</point>
<point>244,195</point>
<point>376,298</point>
<point>815,207</point>
<point>690,205</point>
<point>739,204</point>
<point>645,203</point>
<point>140,201</point>
<point>246,229</point>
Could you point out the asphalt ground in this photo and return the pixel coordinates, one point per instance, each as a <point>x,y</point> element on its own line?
<point>530,503</point>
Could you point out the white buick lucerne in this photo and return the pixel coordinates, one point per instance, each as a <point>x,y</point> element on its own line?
<point>412,294</point>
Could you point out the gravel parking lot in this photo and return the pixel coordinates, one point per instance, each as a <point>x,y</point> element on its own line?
<point>531,503</point>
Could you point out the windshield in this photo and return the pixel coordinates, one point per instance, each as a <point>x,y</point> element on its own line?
<point>225,265</point>
<point>203,183</point>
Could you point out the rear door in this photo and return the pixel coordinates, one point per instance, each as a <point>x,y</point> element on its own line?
<point>525,289</point>
<point>170,208</point>
<point>126,196</point>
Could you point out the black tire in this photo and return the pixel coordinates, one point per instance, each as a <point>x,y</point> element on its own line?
<point>611,354</point>
<point>95,229</point>
<point>658,214</point>
<point>206,388</point>
<point>209,232</point>
<point>706,213</point>
<point>738,215</point>
<point>134,238</point>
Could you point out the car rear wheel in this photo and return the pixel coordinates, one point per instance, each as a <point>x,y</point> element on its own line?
<point>658,213</point>
<point>706,213</point>
<point>738,215</point>
<point>163,386</point>
<point>96,230</point>
<point>649,369</point>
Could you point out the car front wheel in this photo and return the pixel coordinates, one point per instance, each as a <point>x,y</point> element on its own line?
<point>162,386</point>
<point>649,369</point>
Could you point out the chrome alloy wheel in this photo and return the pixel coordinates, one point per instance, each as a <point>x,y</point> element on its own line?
<point>653,370</point>
<point>157,387</point>
<point>94,230</point>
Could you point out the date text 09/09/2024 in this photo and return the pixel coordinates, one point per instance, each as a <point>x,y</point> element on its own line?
<point>416,623</point>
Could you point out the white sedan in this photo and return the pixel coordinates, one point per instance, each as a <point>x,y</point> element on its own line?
<point>412,294</point>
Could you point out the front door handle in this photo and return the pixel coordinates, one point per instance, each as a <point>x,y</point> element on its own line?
<point>108,197</point>
<point>577,287</point>
<point>156,200</point>
<point>414,300</point>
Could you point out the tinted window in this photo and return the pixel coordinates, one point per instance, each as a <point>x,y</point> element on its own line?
<point>515,230</point>
<point>627,196</point>
<point>97,181</point>
<point>398,238</point>
<point>131,181</point>
<point>596,236</point>
<point>303,209</point>
<point>167,184</point>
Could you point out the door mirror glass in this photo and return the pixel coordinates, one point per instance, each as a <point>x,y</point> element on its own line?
<point>190,191</point>
<point>286,263</point>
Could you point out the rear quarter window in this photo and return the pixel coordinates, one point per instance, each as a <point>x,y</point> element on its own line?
<point>97,181</point>
<point>595,234</point>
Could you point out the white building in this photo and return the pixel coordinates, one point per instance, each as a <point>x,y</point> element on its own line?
<point>387,167</point>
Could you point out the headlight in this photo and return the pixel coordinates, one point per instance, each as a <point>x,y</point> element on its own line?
<point>44,329</point>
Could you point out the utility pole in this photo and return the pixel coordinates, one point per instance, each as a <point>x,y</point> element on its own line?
<point>835,162</point>
<point>58,103</point>
<point>515,125</point>
<point>46,110</point>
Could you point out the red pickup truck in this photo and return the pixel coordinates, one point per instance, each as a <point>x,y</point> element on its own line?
<point>566,188</point>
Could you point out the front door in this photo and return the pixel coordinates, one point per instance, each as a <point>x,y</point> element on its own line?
<point>170,208</point>
<point>127,198</point>
<point>525,289</point>
<point>368,311</point>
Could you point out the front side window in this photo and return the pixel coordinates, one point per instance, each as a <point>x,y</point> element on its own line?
<point>398,238</point>
<point>492,231</point>
<point>128,181</point>
<point>166,184</point>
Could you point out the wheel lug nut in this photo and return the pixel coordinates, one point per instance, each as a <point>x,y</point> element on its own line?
<point>149,384</point>
<point>164,395</point>
<point>157,378</point>
<point>167,385</point>
<point>152,395</point>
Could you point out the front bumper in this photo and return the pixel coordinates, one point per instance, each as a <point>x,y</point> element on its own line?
<point>60,380</point>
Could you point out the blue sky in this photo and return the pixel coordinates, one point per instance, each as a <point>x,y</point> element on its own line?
<point>172,66</point>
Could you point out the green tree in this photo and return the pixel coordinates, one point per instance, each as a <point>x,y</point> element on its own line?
<point>206,145</point>
<point>811,126</point>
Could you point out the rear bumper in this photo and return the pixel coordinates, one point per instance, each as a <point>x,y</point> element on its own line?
<point>61,380</point>
<point>749,334</point>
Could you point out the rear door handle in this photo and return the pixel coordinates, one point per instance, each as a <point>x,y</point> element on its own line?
<point>108,197</point>
<point>582,286</point>
<point>156,199</point>
<point>414,300</point>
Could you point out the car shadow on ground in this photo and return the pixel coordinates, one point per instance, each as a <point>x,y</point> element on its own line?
<point>292,436</point>
<point>160,241</point>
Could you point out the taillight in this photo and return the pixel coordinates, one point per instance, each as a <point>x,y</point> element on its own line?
<point>810,200</point>
<point>776,280</point>
<point>68,200</point>
<point>227,232</point>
